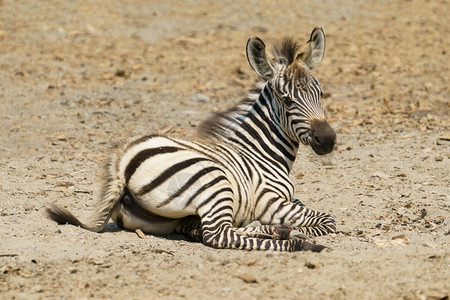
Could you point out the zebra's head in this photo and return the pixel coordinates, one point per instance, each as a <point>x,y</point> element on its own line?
<point>295,90</point>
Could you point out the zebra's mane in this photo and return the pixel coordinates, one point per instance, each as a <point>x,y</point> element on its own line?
<point>286,48</point>
<point>222,124</point>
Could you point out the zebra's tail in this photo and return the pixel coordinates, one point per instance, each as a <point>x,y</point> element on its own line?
<point>97,221</point>
<point>111,193</point>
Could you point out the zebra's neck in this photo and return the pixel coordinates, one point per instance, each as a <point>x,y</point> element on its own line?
<point>253,127</point>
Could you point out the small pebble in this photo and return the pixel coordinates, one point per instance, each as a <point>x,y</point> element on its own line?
<point>200,98</point>
<point>310,265</point>
<point>38,288</point>
<point>225,262</point>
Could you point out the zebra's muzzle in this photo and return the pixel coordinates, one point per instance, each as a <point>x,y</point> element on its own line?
<point>323,137</point>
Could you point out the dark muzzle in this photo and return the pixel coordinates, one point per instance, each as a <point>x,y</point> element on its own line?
<point>323,137</point>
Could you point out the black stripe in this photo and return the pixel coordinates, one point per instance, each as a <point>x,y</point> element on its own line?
<point>259,161</point>
<point>285,215</point>
<point>271,140</point>
<point>270,123</point>
<point>250,241</point>
<point>266,208</point>
<point>247,127</point>
<point>169,173</point>
<point>141,140</point>
<point>139,158</point>
<point>210,198</point>
<point>189,183</point>
<point>236,164</point>
<point>203,188</point>
<point>218,220</point>
<point>297,121</point>
<point>239,200</point>
<point>277,189</point>
<point>274,212</point>
<point>266,159</point>
<point>248,169</point>
<point>217,208</point>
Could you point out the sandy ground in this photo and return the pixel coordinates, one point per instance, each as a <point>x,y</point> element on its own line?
<point>76,75</point>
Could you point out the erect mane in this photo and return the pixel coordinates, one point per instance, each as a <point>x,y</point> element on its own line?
<point>218,123</point>
<point>286,48</point>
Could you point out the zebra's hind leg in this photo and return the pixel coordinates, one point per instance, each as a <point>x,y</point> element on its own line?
<point>297,202</point>
<point>190,226</point>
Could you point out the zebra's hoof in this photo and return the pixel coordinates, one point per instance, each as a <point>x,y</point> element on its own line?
<point>307,246</point>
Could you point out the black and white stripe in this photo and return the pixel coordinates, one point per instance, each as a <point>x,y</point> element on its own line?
<point>237,173</point>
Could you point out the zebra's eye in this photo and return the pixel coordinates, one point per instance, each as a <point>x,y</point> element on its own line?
<point>321,94</point>
<point>282,61</point>
<point>286,99</point>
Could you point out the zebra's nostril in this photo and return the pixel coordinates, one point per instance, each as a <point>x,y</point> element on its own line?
<point>317,140</point>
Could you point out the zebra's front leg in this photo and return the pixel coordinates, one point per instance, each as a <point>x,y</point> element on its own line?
<point>297,217</point>
<point>275,232</point>
<point>218,232</point>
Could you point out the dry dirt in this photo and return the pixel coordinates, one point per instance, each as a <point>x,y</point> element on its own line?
<point>76,75</point>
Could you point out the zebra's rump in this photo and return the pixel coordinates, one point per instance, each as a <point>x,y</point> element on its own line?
<point>169,178</point>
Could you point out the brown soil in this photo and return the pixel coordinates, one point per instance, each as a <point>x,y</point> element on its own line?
<point>76,75</point>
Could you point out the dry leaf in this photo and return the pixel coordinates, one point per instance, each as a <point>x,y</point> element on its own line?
<point>157,250</point>
<point>107,75</point>
<point>141,234</point>
<point>445,137</point>
<point>252,262</point>
<point>300,175</point>
<point>165,130</point>
<point>380,175</point>
<point>61,137</point>
<point>358,122</point>
<point>247,278</point>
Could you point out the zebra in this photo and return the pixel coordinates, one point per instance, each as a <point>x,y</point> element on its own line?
<point>228,187</point>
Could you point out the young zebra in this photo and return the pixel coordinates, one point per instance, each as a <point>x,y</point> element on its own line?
<point>236,173</point>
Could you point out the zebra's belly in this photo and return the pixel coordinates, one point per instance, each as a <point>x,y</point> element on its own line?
<point>132,219</point>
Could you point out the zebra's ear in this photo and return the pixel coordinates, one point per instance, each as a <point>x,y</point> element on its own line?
<point>312,53</point>
<point>262,62</point>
